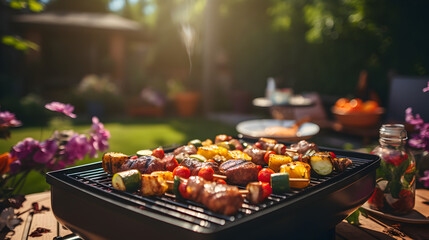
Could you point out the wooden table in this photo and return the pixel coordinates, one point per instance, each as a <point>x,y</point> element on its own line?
<point>371,228</point>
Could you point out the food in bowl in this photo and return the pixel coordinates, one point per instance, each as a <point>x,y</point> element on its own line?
<point>357,113</point>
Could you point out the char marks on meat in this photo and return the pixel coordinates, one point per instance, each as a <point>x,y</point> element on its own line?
<point>194,165</point>
<point>256,154</point>
<point>220,198</point>
<point>239,172</point>
<point>145,164</point>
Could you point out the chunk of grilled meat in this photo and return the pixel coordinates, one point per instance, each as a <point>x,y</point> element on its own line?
<point>340,164</point>
<point>145,164</point>
<point>187,149</point>
<point>194,165</point>
<point>256,154</point>
<point>272,145</point>
<point>303,146</point>
<point>112,161</point>
<point>239,172</point>
<point>219,198</point>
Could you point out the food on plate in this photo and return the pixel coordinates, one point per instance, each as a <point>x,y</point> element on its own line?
<point>280,131</point>
<point>356,105</point>
<point>239,172</point>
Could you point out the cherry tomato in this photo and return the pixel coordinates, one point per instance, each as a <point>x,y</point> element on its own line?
<point>183,189</point>
<point>267,156</point>
<point>259,167</point>
<point>333,155</point>
<point>170,163</point>
<point>182,172</point>
<point>370,106</point>
<point>394,157</point>
<point>355,105</point>
<point>158,152</point>
<point>206,173</point>
<point>341,102</point>
<point>220,181</point>
<point>267,190</point>
<point>134,157</point>
<point>258,145</point>
<point>265,175</point>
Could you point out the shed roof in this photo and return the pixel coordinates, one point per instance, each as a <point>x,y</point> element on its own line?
<point>100,21</point>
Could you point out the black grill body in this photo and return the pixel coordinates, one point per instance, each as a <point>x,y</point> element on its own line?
<point>83,200</point>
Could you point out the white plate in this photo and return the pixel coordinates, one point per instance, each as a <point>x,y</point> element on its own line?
<point>255,129</point>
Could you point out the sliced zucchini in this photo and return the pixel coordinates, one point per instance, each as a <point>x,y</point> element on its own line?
<point>176,184</point>
<point>128,181</point>
<point>196,142</point>
<point>144,152</point>
<point>280,182</point>
<point>199,157</point>
<point>321,164</point>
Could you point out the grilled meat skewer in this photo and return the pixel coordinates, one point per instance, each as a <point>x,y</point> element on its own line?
<point>239,172</point>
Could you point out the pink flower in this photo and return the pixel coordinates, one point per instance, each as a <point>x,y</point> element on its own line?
<point>47,150</point>
<point>425,179</point>
<point>67,109</point>
<point>426,89</point>
<point>8,119</point>
<point>99,137</point>
<point>76,148</point>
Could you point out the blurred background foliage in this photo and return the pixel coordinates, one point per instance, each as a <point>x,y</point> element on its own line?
<point>309,45</point>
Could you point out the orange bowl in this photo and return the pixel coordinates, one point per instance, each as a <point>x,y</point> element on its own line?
<point>358,119</point>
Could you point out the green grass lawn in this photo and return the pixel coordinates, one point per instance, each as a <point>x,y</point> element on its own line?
<point>127,137</point>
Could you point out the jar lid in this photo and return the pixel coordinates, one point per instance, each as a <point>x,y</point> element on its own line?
<point>393,131</point>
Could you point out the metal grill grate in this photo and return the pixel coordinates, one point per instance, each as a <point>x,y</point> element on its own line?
<point>194,213</point>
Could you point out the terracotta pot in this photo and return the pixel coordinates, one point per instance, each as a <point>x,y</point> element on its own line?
<point>186,103</point>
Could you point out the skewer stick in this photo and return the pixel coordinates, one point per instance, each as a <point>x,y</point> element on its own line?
<point>218,176</point>
<point>291,150</point>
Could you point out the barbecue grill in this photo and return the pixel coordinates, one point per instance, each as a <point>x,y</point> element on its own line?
<point>84,200</point>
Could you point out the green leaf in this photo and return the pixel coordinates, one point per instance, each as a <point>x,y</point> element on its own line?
<point>384,171</point>
<point>395,188</point>
<point>354,217</point>
<point>17,4</point>
<point>35,6</point>
<point>8,40</point>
